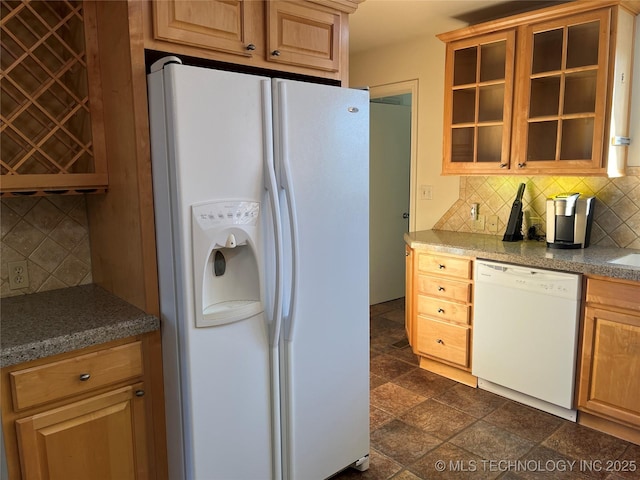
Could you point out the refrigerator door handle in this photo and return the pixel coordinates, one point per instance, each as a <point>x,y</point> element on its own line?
<point>271,186</point>
<point>287,186</point>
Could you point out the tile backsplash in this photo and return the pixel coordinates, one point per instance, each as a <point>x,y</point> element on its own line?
<point>616,216</point>
<point>52,235</point>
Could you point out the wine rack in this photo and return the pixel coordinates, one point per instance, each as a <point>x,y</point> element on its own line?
<point>51,133</point>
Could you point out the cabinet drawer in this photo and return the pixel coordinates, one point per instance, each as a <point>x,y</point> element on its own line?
<point>610,292</point>
<point>53,381</point>
<point>444,288</point>
<point>444,340</point>
<point>442,309</point>
<point>443,265</point>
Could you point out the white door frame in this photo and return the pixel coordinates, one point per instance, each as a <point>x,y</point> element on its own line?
<point>401,88</point>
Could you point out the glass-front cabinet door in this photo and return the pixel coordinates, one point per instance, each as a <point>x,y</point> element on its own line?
<point>478,104</point>
<point>561,104</point>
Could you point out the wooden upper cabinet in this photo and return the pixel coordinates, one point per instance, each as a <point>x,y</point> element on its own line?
<point>478,103</point>
<point>215,24</point>
<point>299,37</point>
<point>52,136</point>
<point>563,94</point>
<point>299,34</point>
<point>566,80</point>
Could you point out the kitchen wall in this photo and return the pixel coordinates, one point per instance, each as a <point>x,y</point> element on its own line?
<point>616,215</point>
<point>52,234</point>
<point>421,59</point>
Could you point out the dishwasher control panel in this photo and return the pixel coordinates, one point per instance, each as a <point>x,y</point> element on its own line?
<point>547,282</point>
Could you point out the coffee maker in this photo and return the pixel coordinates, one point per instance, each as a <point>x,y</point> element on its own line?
<point>569,220</point>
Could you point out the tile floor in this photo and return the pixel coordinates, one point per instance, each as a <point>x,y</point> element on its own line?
<point>422,423</point>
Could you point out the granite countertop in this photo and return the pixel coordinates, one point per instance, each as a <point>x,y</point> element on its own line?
<point>591,260</point>
<point>58,321</point>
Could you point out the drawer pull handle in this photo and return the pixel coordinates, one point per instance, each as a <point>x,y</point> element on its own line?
<point>139,393</point>
<point>84,377</point>
<point>440,310</point>
<point>441,266</point>
<point>440,341</point>
<point>251,47</point>
<point>441,289</point>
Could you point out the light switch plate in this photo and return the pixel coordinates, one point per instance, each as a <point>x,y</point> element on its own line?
<point>426,192</point>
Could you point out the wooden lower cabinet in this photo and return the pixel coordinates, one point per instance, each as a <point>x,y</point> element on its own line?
<point>102,437</point>
<point>446,341</point>
<point>609,377</point>
<point>86,414</point>
<point>440,315</point>
<point>409,322</point>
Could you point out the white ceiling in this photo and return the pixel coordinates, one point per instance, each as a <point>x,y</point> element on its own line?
<point>383,22</point>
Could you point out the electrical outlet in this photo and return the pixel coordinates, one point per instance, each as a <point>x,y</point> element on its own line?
<point>478,225</point>
<point>18,275</point>
<point>492,223</point>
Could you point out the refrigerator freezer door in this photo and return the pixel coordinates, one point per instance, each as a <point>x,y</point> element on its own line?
<point>321,142</point>
<point>208,138</point>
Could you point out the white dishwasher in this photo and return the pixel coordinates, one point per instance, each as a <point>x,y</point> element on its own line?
<point>525,334</point>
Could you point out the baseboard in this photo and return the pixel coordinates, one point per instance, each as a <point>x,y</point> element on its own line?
<point>448,371</point>
<point>624,432</point>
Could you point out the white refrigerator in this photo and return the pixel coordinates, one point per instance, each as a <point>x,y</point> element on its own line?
<point>261,205</point>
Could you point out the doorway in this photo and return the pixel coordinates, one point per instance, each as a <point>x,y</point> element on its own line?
<point>392,168</point>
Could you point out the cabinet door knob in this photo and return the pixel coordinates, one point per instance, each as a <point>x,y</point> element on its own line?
<point>522,165</point>
<point>276,53</point>
<point>440,341</point>
<point>441,289</point>
<point>84,377</point>
<point>440,310</point>
<point>139,393</point>
<point>251,46</point>
<point>503,165</point>
<point>441,266</point>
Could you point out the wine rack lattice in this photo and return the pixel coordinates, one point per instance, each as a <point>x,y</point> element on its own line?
<point>45,119</point>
